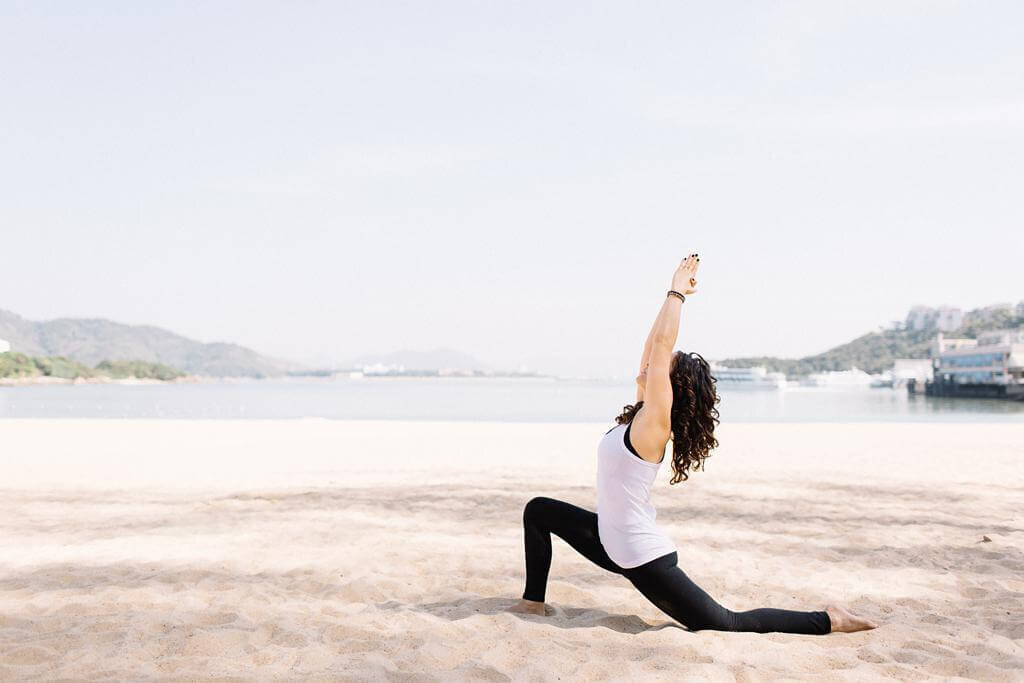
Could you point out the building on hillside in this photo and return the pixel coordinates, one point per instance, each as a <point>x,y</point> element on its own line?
<point>992,367</point>
<point>944,318</point>
<point>1020,309</point>
<point>949,318</point>
<point>917,318</point>
<point>5,346</point>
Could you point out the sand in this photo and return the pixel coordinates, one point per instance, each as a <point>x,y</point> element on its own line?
<point>327,550</point>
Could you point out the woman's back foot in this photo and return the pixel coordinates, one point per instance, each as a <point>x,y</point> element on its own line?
<point>845,621</point>
<point>525,606</point>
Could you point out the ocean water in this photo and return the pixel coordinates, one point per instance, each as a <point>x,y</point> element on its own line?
<point>477,399</point>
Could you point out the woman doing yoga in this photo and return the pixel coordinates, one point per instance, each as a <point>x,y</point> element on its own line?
<point>675,401</point>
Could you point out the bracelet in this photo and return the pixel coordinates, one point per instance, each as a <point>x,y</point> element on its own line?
<point>673,292</point>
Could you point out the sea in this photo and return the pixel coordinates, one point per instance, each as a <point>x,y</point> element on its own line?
<point>472,399</point>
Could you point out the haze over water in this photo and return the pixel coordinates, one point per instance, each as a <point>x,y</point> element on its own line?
<point>472,399</point>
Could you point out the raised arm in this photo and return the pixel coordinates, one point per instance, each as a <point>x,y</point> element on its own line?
<point>657,329</point>
<point>653,423</point>
<point>641,378</point>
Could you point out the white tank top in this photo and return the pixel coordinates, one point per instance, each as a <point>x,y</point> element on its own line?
<point>625,516</point>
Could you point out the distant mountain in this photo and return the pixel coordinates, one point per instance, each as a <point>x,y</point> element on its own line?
<point>92,340</point>
<point>435,359</point>
<point>875,351</point>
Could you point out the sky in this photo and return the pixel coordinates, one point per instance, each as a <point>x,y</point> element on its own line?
<point>517,180</point>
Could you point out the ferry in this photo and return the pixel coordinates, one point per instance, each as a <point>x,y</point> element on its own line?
<point>756,377</point>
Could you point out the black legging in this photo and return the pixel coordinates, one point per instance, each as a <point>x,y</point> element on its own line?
<point>660,580</point>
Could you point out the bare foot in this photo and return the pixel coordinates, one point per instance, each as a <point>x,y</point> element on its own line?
<point>844,621</point>
<point>529,607</point>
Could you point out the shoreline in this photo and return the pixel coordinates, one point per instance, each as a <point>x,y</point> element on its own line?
<point>124,381</point>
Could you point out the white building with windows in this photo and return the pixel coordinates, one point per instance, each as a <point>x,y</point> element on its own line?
<point>995,358</point>
<point>5,346</point>
<point>943,318</point>
<point>917,318</point>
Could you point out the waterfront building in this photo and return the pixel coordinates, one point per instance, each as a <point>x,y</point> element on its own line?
<point>992,366</point>
<point>5,346</point>
<point>756,377</point>
<point>942,344</point>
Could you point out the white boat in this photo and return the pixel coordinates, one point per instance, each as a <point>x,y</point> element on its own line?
<point>756,377</point>
<point>853,377</point>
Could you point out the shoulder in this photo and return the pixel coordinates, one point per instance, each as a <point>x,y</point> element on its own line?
<point>647,437</point>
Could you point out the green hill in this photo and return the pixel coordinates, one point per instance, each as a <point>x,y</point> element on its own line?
<point>140,369</point>
<point>18,365</point>
<point>93,340</point>
<point>875,351</point>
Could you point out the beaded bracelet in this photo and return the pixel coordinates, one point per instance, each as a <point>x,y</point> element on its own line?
<point>675,293</point>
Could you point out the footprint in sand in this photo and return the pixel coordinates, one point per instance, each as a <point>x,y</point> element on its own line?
<point>911,656</point>
<point>870,655</point>
<point>289,639</point>
<point>930,648</point>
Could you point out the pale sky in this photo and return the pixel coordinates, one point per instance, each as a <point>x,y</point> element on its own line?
<point>515,180</point>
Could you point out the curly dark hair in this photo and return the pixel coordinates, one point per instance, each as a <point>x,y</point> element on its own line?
<point>694,414</point>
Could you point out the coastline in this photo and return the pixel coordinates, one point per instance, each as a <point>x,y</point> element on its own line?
<point>386,549</point>
<point>126,381</point>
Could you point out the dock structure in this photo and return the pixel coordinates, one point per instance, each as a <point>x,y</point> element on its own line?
<point>991,366</point>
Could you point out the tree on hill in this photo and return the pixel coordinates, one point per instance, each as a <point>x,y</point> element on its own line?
<point>121,369</point>
<point>20,366</point>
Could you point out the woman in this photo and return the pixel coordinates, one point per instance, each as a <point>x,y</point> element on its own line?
<point>675,401</point>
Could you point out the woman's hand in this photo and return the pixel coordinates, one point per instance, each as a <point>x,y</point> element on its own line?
<point>685,278</point>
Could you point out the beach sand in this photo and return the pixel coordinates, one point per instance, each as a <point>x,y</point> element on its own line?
<point>326,550</point>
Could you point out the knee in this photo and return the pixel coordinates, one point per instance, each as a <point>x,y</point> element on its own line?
<point>534,509</point>
<point>720,619</point>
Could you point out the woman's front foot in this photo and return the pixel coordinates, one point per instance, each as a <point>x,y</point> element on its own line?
<point>845,621</point>
<point>525,606</point>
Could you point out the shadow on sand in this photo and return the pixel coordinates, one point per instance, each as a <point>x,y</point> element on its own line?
<point>562,617</point>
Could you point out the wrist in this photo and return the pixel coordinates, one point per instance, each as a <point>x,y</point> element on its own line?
<point>676,294</point>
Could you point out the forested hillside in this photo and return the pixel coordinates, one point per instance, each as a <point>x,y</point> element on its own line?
<point>90,341</point>
<point>875,351</point>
